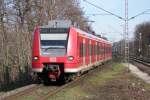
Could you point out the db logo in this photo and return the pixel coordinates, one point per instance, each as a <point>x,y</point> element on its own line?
<point>53,59</point>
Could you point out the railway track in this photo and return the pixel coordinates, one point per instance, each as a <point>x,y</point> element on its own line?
<point>20,92</point>
<point>41,92</point>
<point>141,64</point>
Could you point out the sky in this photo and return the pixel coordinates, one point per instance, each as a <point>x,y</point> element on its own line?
<point>110,26</point>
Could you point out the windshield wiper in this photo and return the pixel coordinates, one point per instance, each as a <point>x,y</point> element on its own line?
<point>59,47</point>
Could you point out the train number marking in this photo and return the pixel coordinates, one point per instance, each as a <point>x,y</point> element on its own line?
<point>53,59</point>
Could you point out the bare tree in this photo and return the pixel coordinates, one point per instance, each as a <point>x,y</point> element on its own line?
<point>142,37</point>
<point>17,21</point>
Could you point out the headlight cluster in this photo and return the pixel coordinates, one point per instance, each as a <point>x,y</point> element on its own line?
<point>35,58</point>
<point>70,58</point>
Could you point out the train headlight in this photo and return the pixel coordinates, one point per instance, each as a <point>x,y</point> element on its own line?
<point>70,58</point>
<point>35,58</point>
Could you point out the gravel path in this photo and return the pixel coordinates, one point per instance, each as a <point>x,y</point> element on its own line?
<point>144,76</point>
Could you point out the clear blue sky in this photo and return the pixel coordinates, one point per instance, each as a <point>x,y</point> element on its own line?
<point>110,26</point>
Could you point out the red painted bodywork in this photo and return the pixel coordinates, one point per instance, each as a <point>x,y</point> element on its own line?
<point>76,37</point>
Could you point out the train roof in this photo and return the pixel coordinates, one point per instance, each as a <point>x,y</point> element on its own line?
<point>91,35</point>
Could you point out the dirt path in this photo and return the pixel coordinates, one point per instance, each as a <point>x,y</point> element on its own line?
<point>144,76</point>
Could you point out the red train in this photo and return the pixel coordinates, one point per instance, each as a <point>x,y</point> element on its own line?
<point>61,53</point>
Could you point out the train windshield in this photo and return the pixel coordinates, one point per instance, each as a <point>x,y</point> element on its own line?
<point>53,41</point>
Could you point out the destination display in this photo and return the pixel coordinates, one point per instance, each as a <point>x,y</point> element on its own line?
<point>53,30</point>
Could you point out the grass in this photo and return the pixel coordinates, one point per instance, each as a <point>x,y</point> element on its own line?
<point>2,93</point>
<point>85,89</point>
<point>107,74</point>
<point>73,93</point>
<point>77,93</point>
<point>28,98</point>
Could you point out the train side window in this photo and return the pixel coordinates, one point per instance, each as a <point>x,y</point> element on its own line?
<point>98,49</point>
<point>81,49</point>
<point>95,49</point>
<point>101,49</point>
<point>84,50</point>
<point>90,49</point>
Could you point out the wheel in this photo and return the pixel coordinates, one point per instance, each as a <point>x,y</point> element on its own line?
<point>46,81</point>
<point>62,79</point>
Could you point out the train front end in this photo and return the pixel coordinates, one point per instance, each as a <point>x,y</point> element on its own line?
<point>49,52</point>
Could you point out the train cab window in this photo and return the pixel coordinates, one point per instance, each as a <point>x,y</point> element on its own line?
<point>53,41</point>
<point>53,36</point>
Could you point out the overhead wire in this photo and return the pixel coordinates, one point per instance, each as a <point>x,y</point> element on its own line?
<point>104,10</point>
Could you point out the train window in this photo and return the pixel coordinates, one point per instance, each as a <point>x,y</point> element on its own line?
<point>105,49</point>
<point>93,50</point>
<point>82,50</point>
<point>90,49</point>
<point>53,30</point>
<point>101,49</point>
<point>97,49</point>
<point>54,37</point>
<point>53,41</point>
